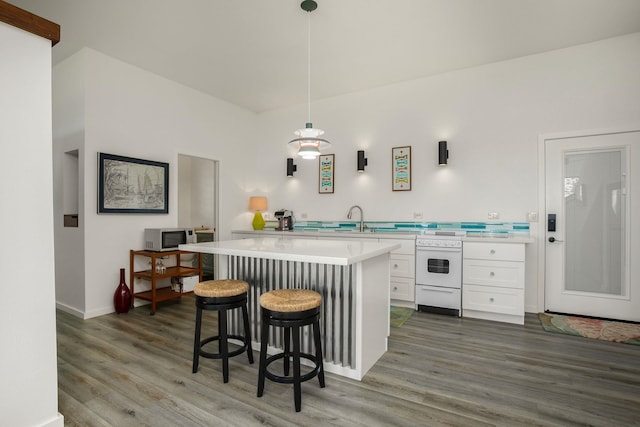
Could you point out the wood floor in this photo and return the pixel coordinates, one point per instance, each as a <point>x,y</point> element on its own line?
<point>135,369</point>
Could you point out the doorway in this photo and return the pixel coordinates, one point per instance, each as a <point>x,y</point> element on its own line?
<point>198,202</point>
<point>592,185</point>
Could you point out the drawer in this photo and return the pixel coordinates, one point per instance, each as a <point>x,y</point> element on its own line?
<point>402,289</point>
<point>495,251</point>
<point>436,296</point>
<point>506,274</point>
<point>402,265</point>
<point>493,299</point>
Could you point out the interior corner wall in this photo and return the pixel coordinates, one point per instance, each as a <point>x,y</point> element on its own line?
<point>490,115</point>
<point>68,136</point>
<point>29,389</point>
<point>134,113</point>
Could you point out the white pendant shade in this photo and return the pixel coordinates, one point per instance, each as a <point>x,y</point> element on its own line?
<point>308,142</point>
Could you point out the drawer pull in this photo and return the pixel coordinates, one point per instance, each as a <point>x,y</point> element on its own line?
<point>395,265</point>
<point>492,251</point>
<point>491,299</point>
<point>395,288</point>
<point>492,274</point>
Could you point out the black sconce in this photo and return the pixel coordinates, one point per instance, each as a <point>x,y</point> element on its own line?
<point>443,153</point>
<point>291,168</point>
<point>362,161</point>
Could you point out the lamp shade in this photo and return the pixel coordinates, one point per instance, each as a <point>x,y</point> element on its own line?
<point>257,203</point>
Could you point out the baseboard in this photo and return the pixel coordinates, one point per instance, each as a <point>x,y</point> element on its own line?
<point>99,312</point>
<point>399,303</point>
<point>71,310</point>
<point>58,421</point>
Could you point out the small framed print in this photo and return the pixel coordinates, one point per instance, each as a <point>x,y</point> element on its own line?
<point>401,168</point>
<point>326,166</point>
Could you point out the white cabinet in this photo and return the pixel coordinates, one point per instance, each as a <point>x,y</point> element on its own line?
<point>493,281</point>
<point>402,268</point>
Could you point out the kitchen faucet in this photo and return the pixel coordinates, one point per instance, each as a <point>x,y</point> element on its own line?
<point>361,216</point>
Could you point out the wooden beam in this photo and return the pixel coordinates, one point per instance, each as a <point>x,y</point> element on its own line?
<point>27,21</point>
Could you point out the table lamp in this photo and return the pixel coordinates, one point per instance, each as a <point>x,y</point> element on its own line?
<point>257,204</point>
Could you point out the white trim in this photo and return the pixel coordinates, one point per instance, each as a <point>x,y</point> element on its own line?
<point>71,310</point>
<point>58,421</point>
<point>542,196</point>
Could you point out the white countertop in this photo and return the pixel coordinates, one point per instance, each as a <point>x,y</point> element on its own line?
<point>337,252</point>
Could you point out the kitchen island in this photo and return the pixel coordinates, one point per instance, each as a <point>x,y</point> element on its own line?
<point>351,276</point>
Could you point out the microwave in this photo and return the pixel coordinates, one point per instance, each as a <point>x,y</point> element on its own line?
<point>167,239</point>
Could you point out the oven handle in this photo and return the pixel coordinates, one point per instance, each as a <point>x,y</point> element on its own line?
<point>436,289</point>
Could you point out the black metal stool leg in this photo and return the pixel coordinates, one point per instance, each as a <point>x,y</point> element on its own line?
<point>318,345</point>
<point>287,350</point>
<point>196,340</point>
<point>264,338</point>
<point>247,332</point>
<point>224,343</point>
<point>297,389</point>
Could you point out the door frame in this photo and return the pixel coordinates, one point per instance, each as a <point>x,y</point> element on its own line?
<point>542,194</point>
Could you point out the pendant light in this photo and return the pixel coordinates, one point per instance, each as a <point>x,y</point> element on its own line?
<point>308,139</point>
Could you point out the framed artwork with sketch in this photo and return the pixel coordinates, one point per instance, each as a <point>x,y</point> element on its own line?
<point>129,185</point>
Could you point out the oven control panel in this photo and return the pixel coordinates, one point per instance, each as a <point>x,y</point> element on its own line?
<point>438,243</point>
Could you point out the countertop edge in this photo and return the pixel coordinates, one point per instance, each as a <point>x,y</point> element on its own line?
<point>220,249</point>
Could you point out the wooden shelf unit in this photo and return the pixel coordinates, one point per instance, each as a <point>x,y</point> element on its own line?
<point>156,294</point>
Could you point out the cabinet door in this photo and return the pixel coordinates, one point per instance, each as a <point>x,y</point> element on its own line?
<point>402,289</point>
<point>493,299</point>
<point>493,273</point>
<point>402,265</point>
<point>494,251</point>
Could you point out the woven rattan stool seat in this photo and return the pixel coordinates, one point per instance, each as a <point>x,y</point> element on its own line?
<point>220,288</point>
<point>221,296</point>
<point>290,300</point>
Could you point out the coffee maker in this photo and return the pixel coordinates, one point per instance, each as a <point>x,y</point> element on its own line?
<point>285,220</point>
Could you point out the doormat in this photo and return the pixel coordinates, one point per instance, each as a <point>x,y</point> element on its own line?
<point>607,330</point>
<point>399,315</point>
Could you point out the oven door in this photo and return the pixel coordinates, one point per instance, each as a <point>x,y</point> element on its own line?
<point>437,296</point>
<point>439,267</point>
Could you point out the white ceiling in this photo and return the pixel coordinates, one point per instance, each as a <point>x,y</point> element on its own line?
<point>253,53</point>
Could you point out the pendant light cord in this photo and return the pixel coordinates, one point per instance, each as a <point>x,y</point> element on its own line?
<point>309,66</point>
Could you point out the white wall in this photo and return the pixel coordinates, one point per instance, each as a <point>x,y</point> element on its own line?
<point>28,390</point>
<point>68,136</point>
<point>490,115</point>
<point>130,112</point>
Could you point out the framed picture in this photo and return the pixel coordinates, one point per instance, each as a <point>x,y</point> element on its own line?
<point>128,185</point>
<point>326,166</point>
<point>401,168</point>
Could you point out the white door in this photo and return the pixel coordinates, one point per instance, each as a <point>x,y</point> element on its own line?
<point>592,263</point>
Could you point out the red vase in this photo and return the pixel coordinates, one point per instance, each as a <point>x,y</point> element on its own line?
<point>122,297</point>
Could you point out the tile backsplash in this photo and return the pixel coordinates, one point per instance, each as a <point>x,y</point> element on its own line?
<point>417,227</point>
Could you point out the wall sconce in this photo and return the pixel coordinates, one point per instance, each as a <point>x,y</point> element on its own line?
<point>291,168</point>
<point>362,161</point>
<point>443,153</point>
<point>257,204</point>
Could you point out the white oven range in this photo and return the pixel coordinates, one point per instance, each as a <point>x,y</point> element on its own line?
<point>439,271</point>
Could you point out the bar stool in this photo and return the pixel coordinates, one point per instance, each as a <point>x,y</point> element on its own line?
<point>220,296</point>
<point>290,309</point>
